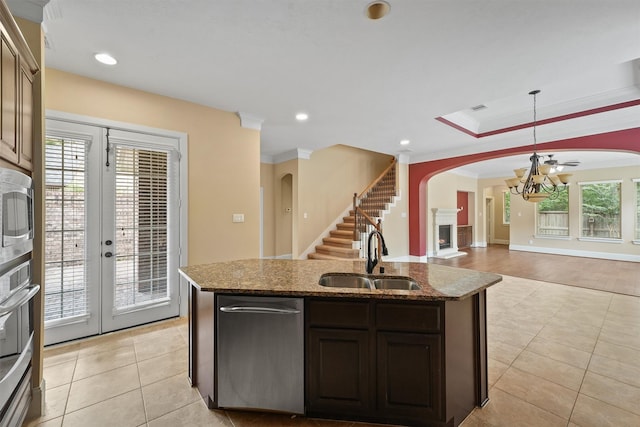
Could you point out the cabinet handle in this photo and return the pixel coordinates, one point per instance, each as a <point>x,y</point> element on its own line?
<point>258,310</point>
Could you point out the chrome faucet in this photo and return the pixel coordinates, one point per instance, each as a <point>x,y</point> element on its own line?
<point>371,263</point>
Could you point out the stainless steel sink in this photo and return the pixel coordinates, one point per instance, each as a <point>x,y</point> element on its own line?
<point>345,281</point>
<point>398,283</point>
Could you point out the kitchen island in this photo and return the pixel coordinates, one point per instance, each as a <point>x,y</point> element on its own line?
<point>414,356</point>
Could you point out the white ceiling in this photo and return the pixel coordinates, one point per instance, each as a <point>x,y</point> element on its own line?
<point>367,83</point>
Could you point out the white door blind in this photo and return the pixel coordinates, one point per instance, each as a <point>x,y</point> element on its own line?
<point>66,291</point>
<point>140,240</point>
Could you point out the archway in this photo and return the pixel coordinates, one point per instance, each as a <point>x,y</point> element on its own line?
<point>420,173</point>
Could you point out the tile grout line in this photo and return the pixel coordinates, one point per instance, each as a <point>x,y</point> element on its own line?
<point>590,357</point>
<point>550,317</point>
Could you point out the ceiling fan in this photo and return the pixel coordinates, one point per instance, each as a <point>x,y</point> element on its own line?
<point>555,164</point>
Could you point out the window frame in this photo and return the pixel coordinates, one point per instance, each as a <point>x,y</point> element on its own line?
<point>506,194</point>
<point>636,230</point>
<point>580,216</point>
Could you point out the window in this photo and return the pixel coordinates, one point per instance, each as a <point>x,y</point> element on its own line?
<point>637,233</point>
<point>506,208</point>
<point>65,229</point>
<point>600,210</point>
<point>552,218</point>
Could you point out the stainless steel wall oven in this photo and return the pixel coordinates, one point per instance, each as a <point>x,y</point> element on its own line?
<point>16,296</point>
<point>16,215</point>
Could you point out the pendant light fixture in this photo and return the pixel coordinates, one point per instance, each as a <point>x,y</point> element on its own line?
<point>540,183</point>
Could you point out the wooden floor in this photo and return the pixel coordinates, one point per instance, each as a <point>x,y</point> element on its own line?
<point>612,276</point>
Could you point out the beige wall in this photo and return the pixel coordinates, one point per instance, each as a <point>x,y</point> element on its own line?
<point>322,188</point>
<point>523,216</point>
<point>268,209</point>
<point>493,189</point>
<point>395,226</point>
<point>442,192</point>
<point>224,159</point>
<point>285,178</point>
<point>501,231</point>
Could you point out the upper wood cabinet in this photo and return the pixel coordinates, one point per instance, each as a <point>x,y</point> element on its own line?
<point>25,133</point>
<point>17,68</point>
<point>9,100</point>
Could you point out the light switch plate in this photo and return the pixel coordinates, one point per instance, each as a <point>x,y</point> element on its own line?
<point>238,218</point>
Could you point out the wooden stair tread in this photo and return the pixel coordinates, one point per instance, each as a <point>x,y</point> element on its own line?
<point>344,234</point>
<point>339,252</point>
<point>339,244</point>
<point>346,226</point>
<point>323,256</point>
<point>330,241</point>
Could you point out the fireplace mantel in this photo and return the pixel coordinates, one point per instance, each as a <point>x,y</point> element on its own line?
<point>444,216</point>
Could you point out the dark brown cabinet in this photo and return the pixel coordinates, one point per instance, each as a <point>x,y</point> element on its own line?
<point>381,361</point>
<point>409,376</point>
<point>393,361</point>
<point>338,371</point>
<point>465,236</point>
<point>338,357</point>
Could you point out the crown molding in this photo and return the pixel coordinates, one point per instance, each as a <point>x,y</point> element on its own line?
<point>31,10</point>
<point>249,121</point>
<point>297,153</point>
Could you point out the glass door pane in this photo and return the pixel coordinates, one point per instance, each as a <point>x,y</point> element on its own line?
<point>141,228</point>
<point>140,205</point>
<point>71,266</point>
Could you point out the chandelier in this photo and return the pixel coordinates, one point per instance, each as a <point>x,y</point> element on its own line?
<point>540,183</point>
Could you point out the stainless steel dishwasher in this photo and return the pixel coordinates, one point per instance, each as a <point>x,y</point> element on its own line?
<point>260,353</point>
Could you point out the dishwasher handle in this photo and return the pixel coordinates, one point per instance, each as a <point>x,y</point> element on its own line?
<point>257,309</point>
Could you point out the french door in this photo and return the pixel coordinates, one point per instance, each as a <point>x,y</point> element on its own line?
<point>111,229</point>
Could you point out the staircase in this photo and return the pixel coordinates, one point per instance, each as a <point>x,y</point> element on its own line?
<point>345,241</point>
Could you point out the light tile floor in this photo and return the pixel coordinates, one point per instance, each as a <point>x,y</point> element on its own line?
<point>558,356</point>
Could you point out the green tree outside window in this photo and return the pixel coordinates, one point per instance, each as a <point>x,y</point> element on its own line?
<point>601,210</point>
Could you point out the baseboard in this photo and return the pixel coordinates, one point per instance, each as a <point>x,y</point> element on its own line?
<point>406,258</point>
<point>572,252</point>
<point>37,406</point>
<point>500,242</point>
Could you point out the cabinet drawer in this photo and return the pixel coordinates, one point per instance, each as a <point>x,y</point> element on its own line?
<point>338,314</point>
<point>408,317</point>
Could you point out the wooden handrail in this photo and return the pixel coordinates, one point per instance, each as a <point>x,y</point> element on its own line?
<point>367,217</point>
<point>379,178</point>
<point>359,212</point>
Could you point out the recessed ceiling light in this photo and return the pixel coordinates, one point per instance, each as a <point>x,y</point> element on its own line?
<point>301,117</point>
<point>105,58</point>
<point>405,142</point>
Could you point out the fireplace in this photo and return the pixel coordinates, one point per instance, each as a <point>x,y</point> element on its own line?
<point>444,236</point>
<point>445,232</point>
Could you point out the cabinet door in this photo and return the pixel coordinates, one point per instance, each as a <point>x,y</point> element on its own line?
<point>25,159</point>
<point>338,371</point>
<point>409,376</point>
<point>9,101</point>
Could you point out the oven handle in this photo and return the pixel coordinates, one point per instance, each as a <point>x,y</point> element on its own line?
<point>19,298</point>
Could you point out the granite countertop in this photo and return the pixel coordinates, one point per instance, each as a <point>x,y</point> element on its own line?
<point>300,278</point>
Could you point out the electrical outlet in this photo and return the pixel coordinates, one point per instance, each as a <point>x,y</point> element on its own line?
<point>238,218</point>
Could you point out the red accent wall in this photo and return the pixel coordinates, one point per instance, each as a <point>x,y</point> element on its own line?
<point>419,173</point>
<point>463,202</point>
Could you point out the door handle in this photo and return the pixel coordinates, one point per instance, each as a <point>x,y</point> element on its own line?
<point>108,254</point>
